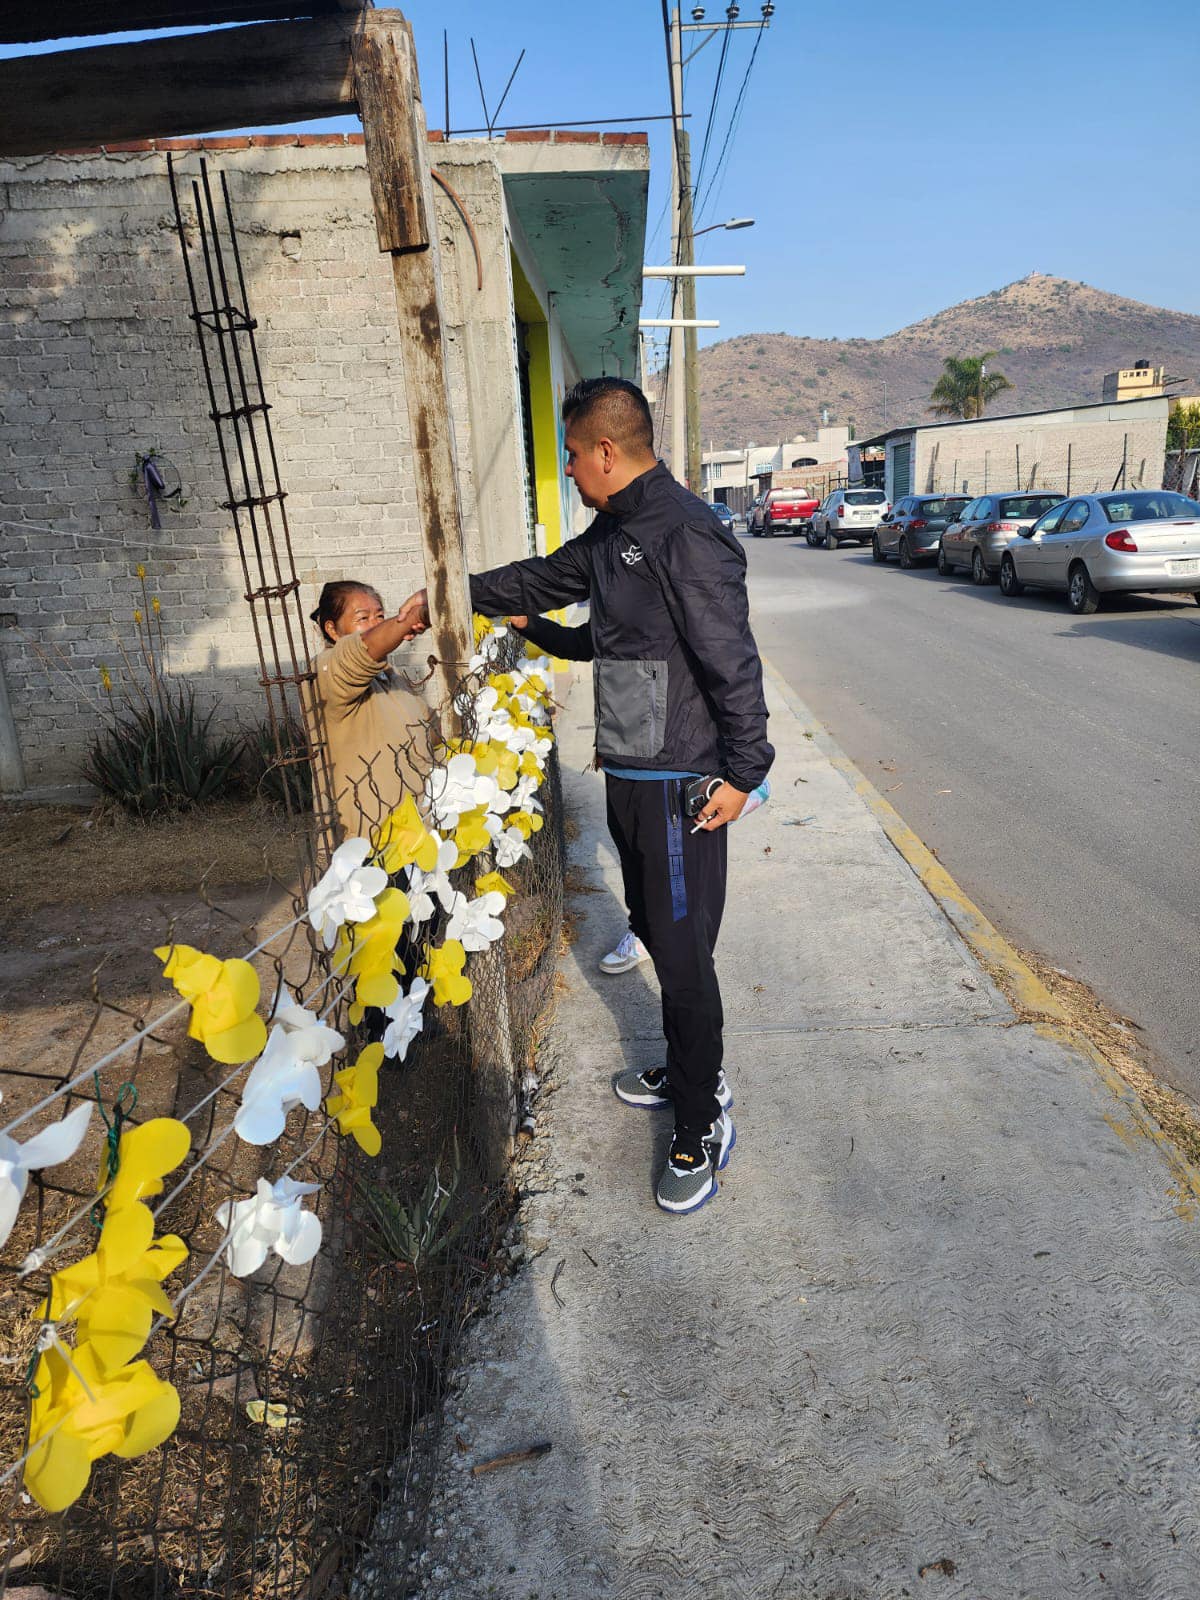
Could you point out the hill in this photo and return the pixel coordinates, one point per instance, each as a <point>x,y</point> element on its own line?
<point>1055,341</point>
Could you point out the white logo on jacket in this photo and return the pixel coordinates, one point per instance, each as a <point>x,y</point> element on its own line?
<point>632,556</point>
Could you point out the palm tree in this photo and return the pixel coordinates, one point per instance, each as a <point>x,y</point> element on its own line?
<point>966,385</point>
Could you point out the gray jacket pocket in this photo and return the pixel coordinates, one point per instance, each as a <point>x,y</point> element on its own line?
<point>631,708</point>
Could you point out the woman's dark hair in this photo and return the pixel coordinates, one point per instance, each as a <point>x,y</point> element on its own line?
<point>334,599</point>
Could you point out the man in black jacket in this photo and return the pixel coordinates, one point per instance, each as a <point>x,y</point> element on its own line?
<point>678,696</point>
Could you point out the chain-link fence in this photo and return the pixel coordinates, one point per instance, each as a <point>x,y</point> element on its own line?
<point>306,1383</point>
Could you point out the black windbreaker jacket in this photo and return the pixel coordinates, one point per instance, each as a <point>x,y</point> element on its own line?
<point>678,680</point>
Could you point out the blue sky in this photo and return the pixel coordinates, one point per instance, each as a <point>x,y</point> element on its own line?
<point>896,161</point>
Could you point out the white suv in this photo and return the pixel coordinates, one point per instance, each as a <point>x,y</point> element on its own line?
<point>847,514</point>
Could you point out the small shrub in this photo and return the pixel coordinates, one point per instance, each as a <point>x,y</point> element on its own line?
<point>162,754</point>
<point>286,784</point>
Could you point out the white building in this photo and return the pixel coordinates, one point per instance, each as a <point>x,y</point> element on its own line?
<point>733,475</point>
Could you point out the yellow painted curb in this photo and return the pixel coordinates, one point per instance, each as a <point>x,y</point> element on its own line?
<point>993,951</point>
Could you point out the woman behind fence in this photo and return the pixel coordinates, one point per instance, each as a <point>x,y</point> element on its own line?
<point>371,719</point>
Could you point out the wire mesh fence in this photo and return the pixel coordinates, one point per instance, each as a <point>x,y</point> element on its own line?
<point>305,1381</point>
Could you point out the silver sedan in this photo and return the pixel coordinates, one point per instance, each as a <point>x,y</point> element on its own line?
<point>1141,539</point>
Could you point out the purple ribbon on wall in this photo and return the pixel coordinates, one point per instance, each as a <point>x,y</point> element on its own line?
<point>152,482</point>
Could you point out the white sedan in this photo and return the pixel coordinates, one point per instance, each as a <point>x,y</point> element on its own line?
<point>1097,544</point>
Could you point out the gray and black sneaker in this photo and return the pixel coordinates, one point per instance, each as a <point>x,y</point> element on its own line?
<point>690,1175</point>
<point>648,1088</point>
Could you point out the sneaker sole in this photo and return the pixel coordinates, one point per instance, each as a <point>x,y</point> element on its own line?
<point>724,1161</point>
<point>657,1102</point>
<point>693,1205</point>
<point>615,971</point>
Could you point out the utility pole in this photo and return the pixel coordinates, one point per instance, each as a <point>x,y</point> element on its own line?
<point>681,185</point>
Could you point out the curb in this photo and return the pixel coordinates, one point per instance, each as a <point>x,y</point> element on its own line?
<point>996,955</point>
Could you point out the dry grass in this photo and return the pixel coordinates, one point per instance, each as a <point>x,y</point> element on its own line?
<point>1116,1038</point>
<point>60,855</point>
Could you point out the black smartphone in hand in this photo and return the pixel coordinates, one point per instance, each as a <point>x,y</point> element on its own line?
<point>697,792</point>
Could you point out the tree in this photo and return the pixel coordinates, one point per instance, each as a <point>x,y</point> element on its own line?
<point>966,385</point>
<point>1183,428</point>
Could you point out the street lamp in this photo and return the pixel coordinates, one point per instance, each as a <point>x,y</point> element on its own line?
<point>734,222</point>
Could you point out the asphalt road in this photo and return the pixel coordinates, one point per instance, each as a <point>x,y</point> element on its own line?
<point>1049,760</point>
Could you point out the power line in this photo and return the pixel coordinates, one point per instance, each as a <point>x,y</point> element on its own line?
<point>733,119</point>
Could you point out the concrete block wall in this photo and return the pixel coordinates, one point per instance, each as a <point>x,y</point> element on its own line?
<point>98,361</point>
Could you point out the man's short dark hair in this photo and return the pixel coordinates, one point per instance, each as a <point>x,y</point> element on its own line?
<point>610,408</point>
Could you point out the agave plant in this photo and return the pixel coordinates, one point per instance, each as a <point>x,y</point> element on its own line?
<point>162,753</point>
<point>414,1234</point>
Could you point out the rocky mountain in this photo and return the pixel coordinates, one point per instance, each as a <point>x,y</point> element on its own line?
<point>1054,340</point>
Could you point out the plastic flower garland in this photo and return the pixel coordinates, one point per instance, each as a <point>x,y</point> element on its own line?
<point>97,1399</point>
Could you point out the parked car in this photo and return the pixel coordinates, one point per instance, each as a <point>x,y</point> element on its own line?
<point>977,540</point>
<point>1146,539</point>
<point>913,530</point>
<point>785,511</point>
<point>725,514</point>
<point>847,514</point>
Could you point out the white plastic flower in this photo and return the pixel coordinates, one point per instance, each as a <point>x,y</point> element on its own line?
<point>510,848</point>
<point>347,891</point>
<point>405,1020</point>
<point>476,923</point>
<point>50,1148</point>
<point>457,787</point>
<point>287,1074</point>
<point>522,796</point>
<point>273,1220</point>
<point>423,887</point>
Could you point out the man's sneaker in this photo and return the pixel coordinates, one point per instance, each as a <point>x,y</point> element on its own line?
<point>649,1089</point>
<point>690,1175</point>
<point>630,953</point>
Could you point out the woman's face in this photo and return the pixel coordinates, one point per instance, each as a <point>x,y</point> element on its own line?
<point>362,611</point>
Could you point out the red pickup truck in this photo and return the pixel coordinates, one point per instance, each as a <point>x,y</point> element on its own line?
<point>784,511</point>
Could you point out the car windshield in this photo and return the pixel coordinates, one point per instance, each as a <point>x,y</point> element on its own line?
<point>940,508</point>
<point>1028,505</point>
<point>864,497</point>
<point>1151,506</point>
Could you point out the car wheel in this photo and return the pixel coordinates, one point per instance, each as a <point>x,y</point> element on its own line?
<point>943,566</point>
<point>906,559</point>
<point>1083,597</point>
<point>811,537</point>
<point>979,573</point>
<point>877,549</point>
<point>1010,584</point>
<point>831,539</point>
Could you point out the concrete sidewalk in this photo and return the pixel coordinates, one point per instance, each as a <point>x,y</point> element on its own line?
<point>935,1335</point>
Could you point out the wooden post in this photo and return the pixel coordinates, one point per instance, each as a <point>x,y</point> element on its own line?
<point>393,119</point>
<point>389,102</point>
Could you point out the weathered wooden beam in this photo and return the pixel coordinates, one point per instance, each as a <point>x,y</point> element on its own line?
<point>190,83</point>
<point>33,21</point>
<point>393,120</point>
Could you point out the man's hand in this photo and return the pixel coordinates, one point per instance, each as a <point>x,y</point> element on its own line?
<point>518,622</point>
<point>413,615</point>
<point>724,807</point>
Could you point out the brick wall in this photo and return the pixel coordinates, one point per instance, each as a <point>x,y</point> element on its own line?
<point>98,361</point>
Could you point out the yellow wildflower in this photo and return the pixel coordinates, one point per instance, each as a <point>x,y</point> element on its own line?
<point>367,951</point>
<point>156,605</point>
<point>444,969</point>
<point>113,1293</point>
<point>141,571</point>
<point>352,1108</point>
<point>223,996</point>
<point>144,1157</point>
<point>105,679</point>
<point>494,883</point>
<point>81,1411</point>
<point>402,839</point>
<point>137,616</point>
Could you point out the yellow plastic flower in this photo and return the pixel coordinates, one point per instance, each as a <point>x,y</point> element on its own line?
<point>471,835</point>
<point>503,682</point>
<point>367,952</point>
<point>496,761</point>
<point>402,839</point>
<point>533,651</point>
<point>223,995</point>
<point>144,1157</point>
<point>525,822</point>
<point>82,1412</point>
<point>105,679</point>
<point>481,626</point>
<point>531,766</point>
<point>359,1096</point>
<point>112,1294</point>
<point>444,969</point>
<point>493,883</point>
